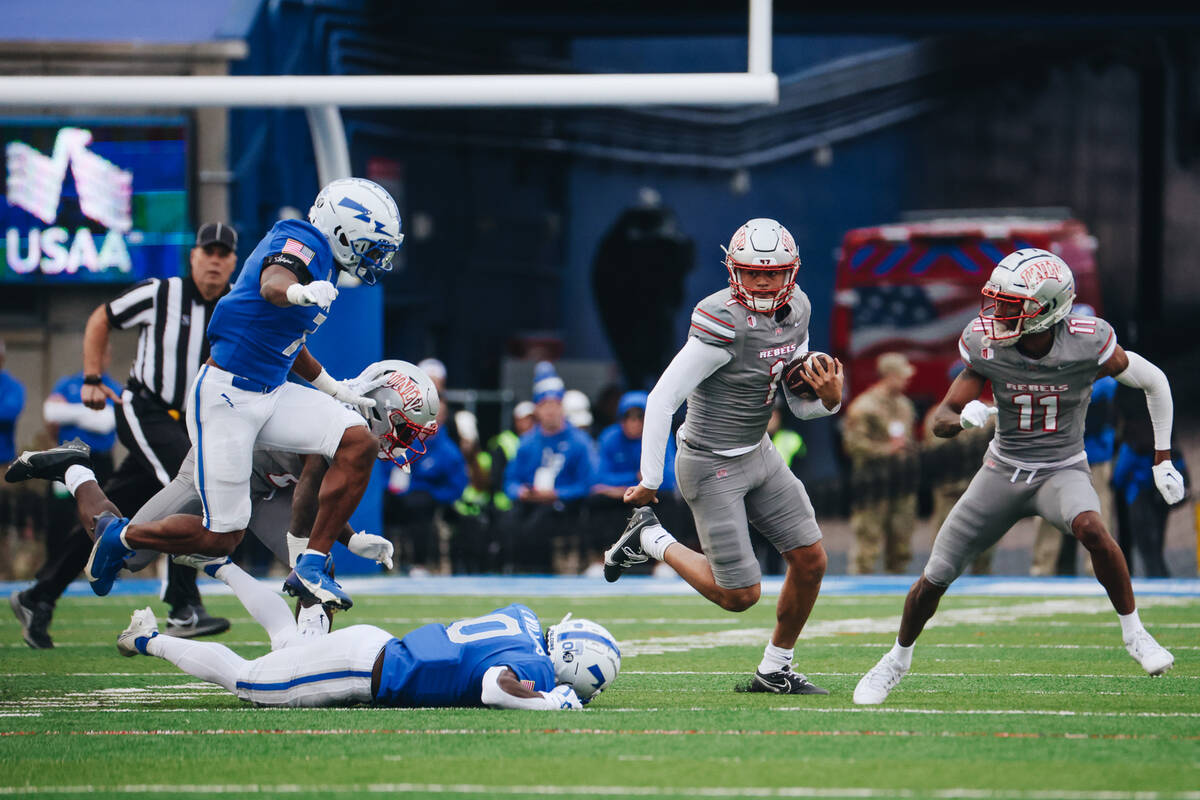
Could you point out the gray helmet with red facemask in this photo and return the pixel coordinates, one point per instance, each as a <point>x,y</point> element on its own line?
<point>761,245</point>
<point>1029,291</point>
<point>405,412</point>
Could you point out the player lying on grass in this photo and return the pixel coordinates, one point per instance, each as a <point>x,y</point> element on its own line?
<point>1041,361</point>
<point>284,489</point>
<point>499,660</point>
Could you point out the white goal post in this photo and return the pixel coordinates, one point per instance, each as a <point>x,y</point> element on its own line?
<point>323,95</point>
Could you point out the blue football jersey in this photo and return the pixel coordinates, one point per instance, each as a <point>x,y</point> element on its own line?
<point>443,665</point>
<point>256,339</point>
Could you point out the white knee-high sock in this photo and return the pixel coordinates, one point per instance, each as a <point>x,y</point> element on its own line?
<point>207,661</point>
<point>268,609</point>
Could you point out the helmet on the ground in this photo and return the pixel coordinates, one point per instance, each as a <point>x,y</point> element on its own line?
<point>761,245</point>
<point>1029,291</point>
<point>585,656</point>
<point>405,412</point>
<point>360,220</point>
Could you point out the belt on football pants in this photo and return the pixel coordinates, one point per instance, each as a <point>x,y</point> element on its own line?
<point>245,384</point>
<point>251,386</point>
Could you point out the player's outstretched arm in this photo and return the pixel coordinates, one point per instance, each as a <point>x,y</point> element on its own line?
<point>503,689</point>
<point>960,408</point>
<point>307,367</point>
<point>1132,370</point>
<point>691,365</point>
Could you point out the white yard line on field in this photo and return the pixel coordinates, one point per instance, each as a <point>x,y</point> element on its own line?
<point>542,790</point>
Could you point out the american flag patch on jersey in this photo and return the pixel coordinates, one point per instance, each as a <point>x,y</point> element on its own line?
<point>297,249</point>
<point>527,684</point>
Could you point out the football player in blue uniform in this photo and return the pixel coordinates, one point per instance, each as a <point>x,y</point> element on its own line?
<point>285,486</point>
<point>241,398</point>
<point>498,660</point>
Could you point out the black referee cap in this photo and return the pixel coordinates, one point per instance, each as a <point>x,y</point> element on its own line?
<point>217,233</point>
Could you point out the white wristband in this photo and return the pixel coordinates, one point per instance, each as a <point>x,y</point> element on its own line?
<point>326,383</point>
<point>296,295</point>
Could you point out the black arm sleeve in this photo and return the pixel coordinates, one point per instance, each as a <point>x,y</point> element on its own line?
<point>291,263</point>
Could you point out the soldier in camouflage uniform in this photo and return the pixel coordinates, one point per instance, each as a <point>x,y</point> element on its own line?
<point>1041,361</point>
<point>728,472</point>
<point>950,462</point>
<point>878,437</point>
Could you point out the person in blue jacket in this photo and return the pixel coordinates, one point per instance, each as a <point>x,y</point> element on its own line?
<point>433,484</point>
<point>498,660</point>
<point>548,479</point>
<point>618,466</point>
<point>12,403</point>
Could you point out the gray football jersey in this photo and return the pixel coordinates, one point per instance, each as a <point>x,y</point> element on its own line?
<point>1042,402</point>
<point>731,407</point>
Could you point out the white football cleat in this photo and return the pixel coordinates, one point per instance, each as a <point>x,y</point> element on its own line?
<point>207,564</point>
<point>1153,657</point>
<point>875,686</point>
<point>142,625</point>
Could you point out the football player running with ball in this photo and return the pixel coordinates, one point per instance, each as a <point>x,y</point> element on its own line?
<point>740,342</point>
<point>499,660</point>
<point>1041,360</point>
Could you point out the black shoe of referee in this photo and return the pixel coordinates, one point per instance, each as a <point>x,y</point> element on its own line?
<point>191,621</point>
<point>49,464</point>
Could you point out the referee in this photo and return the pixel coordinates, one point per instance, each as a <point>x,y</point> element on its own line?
<point>173,316</point>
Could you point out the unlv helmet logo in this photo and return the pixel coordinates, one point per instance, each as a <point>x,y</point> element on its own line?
<point>1040,271</point>
<point>407,388</point>
<point>789,243</point>
<point>739,239</point>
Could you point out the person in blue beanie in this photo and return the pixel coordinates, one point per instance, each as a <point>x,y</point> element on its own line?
<point>547,480</point>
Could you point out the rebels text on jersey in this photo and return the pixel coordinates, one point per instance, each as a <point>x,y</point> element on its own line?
<point>443,665</point>
<point>254,338</point>
<point>1042,402</point>
<point>731,407</point>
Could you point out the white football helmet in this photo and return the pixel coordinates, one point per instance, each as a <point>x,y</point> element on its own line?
<point>1029,291</point>
<point>360,220</point>
<point>405,412</point>
<point>762,245</point>
<point>585,656</point>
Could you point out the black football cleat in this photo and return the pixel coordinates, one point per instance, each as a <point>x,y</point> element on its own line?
<point>627,551</point>
<point>192,621</point>
<point>48,464</point>
<point>35,620</point>
<point>785,681</point>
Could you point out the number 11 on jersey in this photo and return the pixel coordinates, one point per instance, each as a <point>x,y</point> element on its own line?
<point>1046,405</point>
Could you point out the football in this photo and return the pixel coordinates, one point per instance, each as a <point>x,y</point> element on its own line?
<point>793,374</point>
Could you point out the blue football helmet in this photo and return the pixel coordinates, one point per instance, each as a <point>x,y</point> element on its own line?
<point>362,224</point>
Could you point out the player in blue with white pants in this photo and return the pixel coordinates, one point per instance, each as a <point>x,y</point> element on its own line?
<point>499,660</point>
<point>241,398</point>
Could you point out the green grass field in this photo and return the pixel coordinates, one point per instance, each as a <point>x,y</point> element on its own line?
<point>1024,697</point>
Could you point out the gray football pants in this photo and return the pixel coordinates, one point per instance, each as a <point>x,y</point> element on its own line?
<point>997,499</point>
<point>725,494</point>
<point>270,518</point>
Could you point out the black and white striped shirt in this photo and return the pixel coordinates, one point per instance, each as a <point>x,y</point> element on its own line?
<point>172,344</point>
